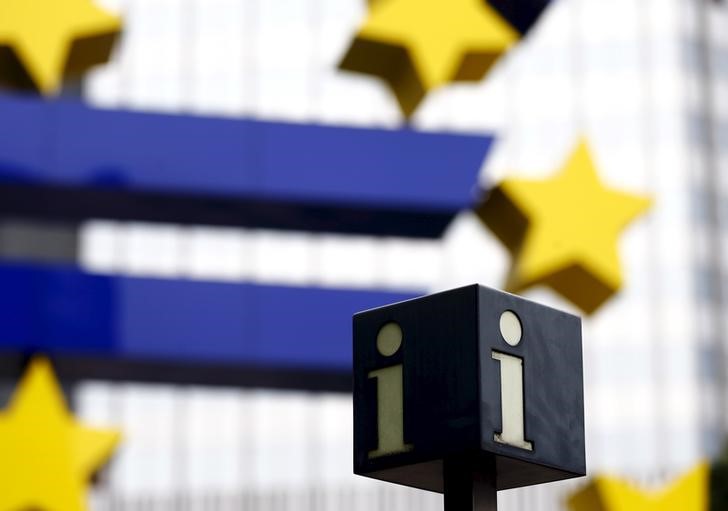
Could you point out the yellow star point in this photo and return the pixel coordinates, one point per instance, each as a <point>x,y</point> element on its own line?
<point>563,231</point>
<point>43,40</point>
<point>689,493</point>
<point>419,45</point>
<point>46,457</point>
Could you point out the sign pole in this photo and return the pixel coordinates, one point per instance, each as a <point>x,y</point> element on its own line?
<point>469,487</point>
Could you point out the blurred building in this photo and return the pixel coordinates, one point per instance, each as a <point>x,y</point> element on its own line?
<point>646,81</point>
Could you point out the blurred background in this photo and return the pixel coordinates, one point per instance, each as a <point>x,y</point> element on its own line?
<point>646,81</point>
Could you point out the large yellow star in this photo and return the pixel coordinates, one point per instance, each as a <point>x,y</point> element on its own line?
<point>563,231</point>
<point>418,45</point>
<point>41,40</point>
<point>46,457</point>
<point>689,493</point>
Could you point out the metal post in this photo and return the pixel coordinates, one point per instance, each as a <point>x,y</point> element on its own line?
<point>470,485</point>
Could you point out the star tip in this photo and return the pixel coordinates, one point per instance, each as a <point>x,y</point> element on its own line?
<point>114,439</point>
<point>702,467</point>
<point>643,204</point>
<point>513,36</point>
<point>514,284</point>
<point>39,361</point>
<point>48,90</point>
<point>582,143</point>
<point>590,310</point>
<point>39,368</point>
<point>116,24</point>
<point>103,13</point>
<point>584,147</point>
<point>408,105</point>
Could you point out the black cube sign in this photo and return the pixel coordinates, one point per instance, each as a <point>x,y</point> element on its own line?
<point>472,373</point>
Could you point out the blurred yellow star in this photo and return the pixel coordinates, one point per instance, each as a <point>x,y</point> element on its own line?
<point>41,40</point>
<point>418,45</point>
<point>47,458</point>
<point>563,231</point>
<point>689,493</point>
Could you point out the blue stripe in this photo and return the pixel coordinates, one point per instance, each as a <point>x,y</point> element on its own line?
<point>65,312</point>
<point>65,143</point>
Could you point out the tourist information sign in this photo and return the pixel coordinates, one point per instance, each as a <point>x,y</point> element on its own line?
<point>467,392</point>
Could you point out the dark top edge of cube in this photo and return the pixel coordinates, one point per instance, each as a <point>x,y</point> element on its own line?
<point>538,304</point>
<point>418,298</point>
<point>479,286</point>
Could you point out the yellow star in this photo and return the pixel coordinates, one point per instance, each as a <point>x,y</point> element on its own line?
<point>689,493</point>
<point>418,45</point>
<point>41,40</point>
<point>563,232</point>
<point>46,457</point>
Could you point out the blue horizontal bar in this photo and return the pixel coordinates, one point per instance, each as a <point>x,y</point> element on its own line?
<point>65,312</point>
<point>68,144</point>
